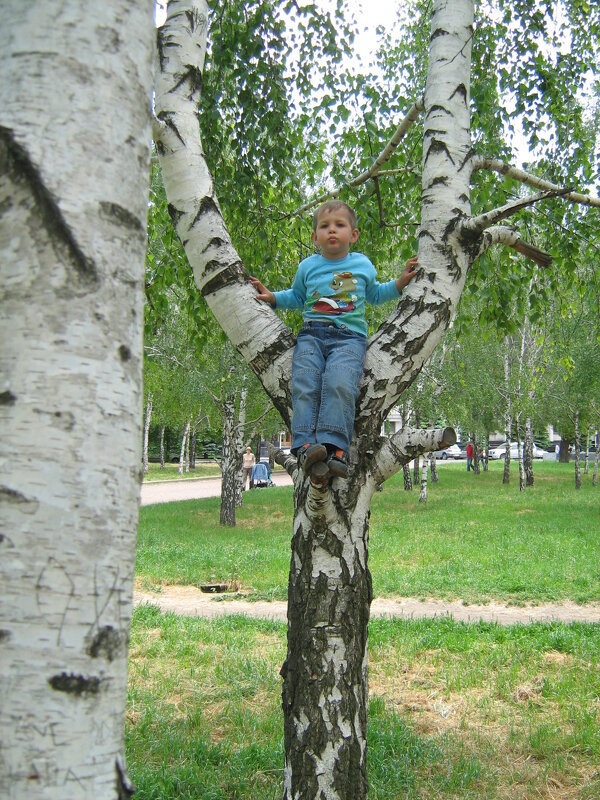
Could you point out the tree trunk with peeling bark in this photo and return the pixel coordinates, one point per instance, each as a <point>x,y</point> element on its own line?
<point>528,452</point>
<point>407,479</point>
<point>147,418</point>
<point>73,207</point>
<point>228,463</point>
<point>325,674</point>
<point>433,467</point>
<point>507,419</point>
<point>162,446</point>
<point>182,450</point>
<point>577,452</point>
<point>424,473</point>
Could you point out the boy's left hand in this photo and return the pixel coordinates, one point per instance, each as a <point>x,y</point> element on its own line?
<point>410,270</point>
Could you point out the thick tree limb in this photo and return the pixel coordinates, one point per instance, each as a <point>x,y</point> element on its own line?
<point>402,447</point>
<point>375,168</point>
<point>501,234</point>
<point>479,162</point>
<point>287,461</point>
<point>252,327</point>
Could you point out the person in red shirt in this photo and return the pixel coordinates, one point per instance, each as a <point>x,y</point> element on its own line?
<point>469,456</point>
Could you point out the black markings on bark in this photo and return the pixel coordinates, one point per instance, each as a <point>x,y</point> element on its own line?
<point>441,316</point>
<point>175,214</point>
<point>16,498</point>
<point>437,146</point>
<point>107,643</point>
<point>230,275</point>
<point>437,33</point>
<point>193,77</point>
<point>161,35</point>
<point>124,353</point>
<point>15,162</point>
<point>207,205</point>
<point>4,636</point>
<point>215,242</point>
<point>460,90</point>
<point>77,685</point>
<point>7,398</point>
<point>436,108</point>
<point>167,119</point>
<point>125,788</point>
<point>121,216</point>
<point>263,360</point>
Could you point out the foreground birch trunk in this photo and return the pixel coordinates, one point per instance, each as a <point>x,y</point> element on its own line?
<point>325,688</point>
<point>73,200</point>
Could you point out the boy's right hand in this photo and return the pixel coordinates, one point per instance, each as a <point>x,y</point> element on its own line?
<point>262,292</point>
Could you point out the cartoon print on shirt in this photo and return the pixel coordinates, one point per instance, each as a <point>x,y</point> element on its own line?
<point>343,284</point>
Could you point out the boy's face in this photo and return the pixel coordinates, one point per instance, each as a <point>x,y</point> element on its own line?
<point>334,234</point>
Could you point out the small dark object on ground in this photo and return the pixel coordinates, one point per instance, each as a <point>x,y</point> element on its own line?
<point>213,588</point>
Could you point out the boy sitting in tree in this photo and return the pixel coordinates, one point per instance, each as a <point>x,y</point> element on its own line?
<point>331,287</point>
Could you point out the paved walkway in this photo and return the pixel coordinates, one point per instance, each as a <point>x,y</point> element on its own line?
<point>193,489</point>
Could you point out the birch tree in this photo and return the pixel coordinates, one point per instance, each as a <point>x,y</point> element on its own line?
<point>325,675</point>
<point>73,206</point>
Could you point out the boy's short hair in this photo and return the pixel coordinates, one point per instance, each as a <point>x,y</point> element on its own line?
<point>335,205</point>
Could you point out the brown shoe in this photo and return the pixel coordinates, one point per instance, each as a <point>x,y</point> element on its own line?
<point>309,454</point>
<point>338,466</point>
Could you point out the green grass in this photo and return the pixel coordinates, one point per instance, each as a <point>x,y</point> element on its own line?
<point>475,539</point>
<point>456,711</point>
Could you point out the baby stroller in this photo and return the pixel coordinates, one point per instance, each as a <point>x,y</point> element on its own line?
<point>261,476</point>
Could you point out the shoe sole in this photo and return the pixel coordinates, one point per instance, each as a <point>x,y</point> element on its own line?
<point>318,453</point>
<point>338,470</point>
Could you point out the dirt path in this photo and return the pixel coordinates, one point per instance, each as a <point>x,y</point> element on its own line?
<point>190,601</point>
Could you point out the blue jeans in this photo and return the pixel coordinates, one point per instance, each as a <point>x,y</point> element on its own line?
<point>326,368</point>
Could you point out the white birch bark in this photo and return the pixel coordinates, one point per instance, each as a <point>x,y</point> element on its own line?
<point>577,452</point>
<point>147,418</point>
<point>228,458</point>
<point>162,446</point>
<point>188,440</point>
<point>423,493</point>
<point>239,446</point>
<point>433,468</point>
<point>528,452</point>
<point>182,448</point>
<point>73,204</point>
<point>507,415</point>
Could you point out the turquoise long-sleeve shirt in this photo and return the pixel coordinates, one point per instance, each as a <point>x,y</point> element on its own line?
<point>336,291</point>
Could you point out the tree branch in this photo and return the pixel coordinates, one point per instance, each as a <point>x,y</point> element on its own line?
<point>402,447</point>
<point>492,164</point>
<point>287,461</point>
<point>473,227</point>
<point>501,234</point>
<point>375,168</point>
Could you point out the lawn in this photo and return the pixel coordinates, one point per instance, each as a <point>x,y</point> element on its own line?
<point>474,540</point>
<point>456,711</point>
<point>469,712</point>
